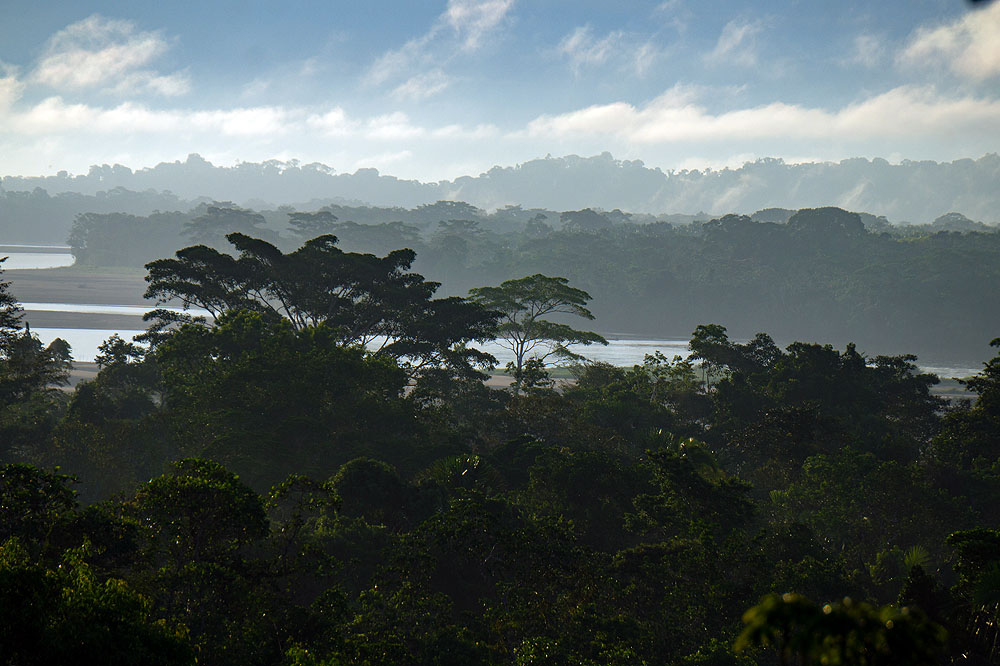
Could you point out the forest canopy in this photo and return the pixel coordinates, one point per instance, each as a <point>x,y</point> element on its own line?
<point>258,488</point>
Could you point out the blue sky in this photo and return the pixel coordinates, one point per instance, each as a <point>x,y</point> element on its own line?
<point>434,90</point>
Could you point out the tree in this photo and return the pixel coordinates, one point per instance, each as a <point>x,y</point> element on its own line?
<point>310,225</point>
<point>268,401</point>
<point>365,300</point>
<point>841,633</point>
<point>217,221</point>
<point>977,565</point>
<point>26,367</point>
<point>524,305</point>
<point>586,220</point>
<point>10,310</point>
<point>987,383</point>
<point>198,512</point>
<point>34,504</point>
<point>201,531</point>
<point>536,227</point>
<point>70,614</point>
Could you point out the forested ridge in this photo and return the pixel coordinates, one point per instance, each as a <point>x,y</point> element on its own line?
<point>911,191</point>
<point>817,274</point>
<point>260,487</point>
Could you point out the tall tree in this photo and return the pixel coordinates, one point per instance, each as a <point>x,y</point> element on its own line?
<point>524,305</point>
<point>369,301</point>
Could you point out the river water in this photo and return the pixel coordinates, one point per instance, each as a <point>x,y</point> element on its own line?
<point>85,341</point>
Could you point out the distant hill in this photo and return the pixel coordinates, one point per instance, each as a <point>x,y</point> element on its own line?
<point>908,192</point>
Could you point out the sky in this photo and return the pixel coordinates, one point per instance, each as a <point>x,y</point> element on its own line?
<point>433,90</point>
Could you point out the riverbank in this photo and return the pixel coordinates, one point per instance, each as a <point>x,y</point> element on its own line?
<point>75,285</point>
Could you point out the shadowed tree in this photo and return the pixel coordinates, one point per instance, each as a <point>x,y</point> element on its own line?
<point>26,366</point>
<point>365,300</point>
<point>310,225</point>
<point>10,310</point>
<point>524,329</point>
<point>841,633</point>
<point>217,221</point>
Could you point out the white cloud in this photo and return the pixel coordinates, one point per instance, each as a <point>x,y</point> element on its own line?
<point>969,46</point>
<point>675,117</point>
<point>737,44</point>
<point>396,62</point>
<point>310,67</point>
<point>674,14</point>
<point>717,163</point>
<point>392,126</point>
<point>260,121</point>
<point>423,85</point>
<point>420,61</point>
<point>868,50</point>
<point>645,57</point>
<point>582,48</point>
<point>473,19</point>
<point>485,131</point>
<point>917,111</point>
<point>668,6</point>
<point>104,52</point>
<point>256,87</point>
<point>171,85</point>
<point>54,116</point>
<point>333,123</point>
<point>11,87</point>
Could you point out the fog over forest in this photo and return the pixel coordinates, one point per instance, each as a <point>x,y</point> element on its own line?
<point>907,192</point>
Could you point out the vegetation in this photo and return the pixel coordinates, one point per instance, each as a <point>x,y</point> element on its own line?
<point>524,305</point>
<point>259,487</point>
<point>360,299</point>
<point>820,274</point>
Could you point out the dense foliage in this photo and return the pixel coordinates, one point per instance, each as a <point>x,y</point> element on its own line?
<point>261,490</point>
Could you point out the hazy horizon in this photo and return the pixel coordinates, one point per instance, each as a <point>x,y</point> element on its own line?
<point>907,192</point>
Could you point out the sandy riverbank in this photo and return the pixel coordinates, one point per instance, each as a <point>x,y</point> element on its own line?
<point>71,285</point>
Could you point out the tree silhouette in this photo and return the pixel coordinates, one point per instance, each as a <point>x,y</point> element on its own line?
<point>524,305</point>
